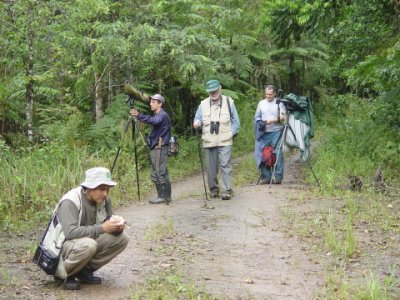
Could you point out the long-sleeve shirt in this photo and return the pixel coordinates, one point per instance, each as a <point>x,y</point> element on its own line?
<point>161,127</point>
<point>68,215</point>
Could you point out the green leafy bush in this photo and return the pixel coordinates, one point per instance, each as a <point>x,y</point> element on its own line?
<point>353,143</point>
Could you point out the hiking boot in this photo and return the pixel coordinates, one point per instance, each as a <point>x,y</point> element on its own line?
<point>226,196</point>
<point>71,283</point>
<point>86,276</point>
<point>158,201</point>
<point>214,194</point>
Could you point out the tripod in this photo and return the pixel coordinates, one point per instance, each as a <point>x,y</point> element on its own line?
<point>279,146</point>
<point>135,128</point>
<point>281,141</point>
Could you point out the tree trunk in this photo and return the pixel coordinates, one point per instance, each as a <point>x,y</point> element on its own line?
<point>2,117</point>
<point>110,89</point>
<point>187,101</point>
<point>29,86</point>
<point>98,101</point>
<point>292,76</point>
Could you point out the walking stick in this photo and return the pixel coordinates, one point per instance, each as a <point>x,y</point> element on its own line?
<point>202,168</point>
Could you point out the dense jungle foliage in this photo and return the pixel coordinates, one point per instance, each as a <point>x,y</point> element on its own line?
<point>63,65</point>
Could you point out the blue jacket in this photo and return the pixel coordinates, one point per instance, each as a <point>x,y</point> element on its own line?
<point>161,127</point>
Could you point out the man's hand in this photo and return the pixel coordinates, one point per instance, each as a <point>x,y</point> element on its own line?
<point>270,122</point>
<point>196,124</point>
<point>134,112</point>
<point>110,226</point>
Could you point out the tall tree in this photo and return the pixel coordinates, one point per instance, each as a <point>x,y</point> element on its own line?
<point>24,27</point>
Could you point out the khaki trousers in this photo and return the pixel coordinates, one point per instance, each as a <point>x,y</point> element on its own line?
<point>219,157</point>
<point>91,253</point>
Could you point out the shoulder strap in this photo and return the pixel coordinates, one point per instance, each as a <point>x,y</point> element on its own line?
<point>229,105</point>
<point>279,114</point>
<point>78,204</point>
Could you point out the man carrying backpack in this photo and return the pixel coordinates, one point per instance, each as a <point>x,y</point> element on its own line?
<point>268,121</point>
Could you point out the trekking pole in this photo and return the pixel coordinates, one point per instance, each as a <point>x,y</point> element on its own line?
<point>202,168</point>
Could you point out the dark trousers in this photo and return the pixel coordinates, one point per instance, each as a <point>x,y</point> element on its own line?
<point>159,172</point>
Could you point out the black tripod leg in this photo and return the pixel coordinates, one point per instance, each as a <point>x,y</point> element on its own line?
<point>312,171</point>
<point>120,144</point>
<point>134,129</point>
<point>280,150</point>
<point>259,179</point>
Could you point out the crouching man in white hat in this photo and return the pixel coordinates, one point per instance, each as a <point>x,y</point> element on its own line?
<point>91,238</point>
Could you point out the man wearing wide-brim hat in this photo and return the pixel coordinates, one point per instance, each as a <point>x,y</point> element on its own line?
<point>219,121</point>
<point>92,236</point>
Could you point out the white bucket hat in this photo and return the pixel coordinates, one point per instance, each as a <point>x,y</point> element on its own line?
<point>97,176</point>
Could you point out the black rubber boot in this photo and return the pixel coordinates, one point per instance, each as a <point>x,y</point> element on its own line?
<point>160,198</point>
<point>167,189</point>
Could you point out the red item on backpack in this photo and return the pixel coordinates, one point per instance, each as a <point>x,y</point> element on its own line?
<point>268,156</point>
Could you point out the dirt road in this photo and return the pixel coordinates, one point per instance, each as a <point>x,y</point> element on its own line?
<point>237,249</point>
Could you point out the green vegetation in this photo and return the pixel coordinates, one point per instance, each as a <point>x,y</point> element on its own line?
<point>38,175</point>
<point>62,106</point>
<point>346,233</point>
<point>170,285</point>
<point>160,230</point>
<point>63,66</point>
<point>352,142</point>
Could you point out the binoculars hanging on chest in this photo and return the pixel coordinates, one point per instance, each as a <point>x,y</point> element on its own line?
<point>214,127</point>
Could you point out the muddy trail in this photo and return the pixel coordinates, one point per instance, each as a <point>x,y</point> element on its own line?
<point>236,250</point>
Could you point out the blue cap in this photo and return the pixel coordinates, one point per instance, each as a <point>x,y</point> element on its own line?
<point>212,85</point>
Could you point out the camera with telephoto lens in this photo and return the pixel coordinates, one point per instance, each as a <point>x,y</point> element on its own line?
<point>214,127</point>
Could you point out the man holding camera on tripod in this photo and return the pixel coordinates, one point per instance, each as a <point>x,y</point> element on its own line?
<point>158,142</point>
<point>268,122</point>
<point>219,120</point>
